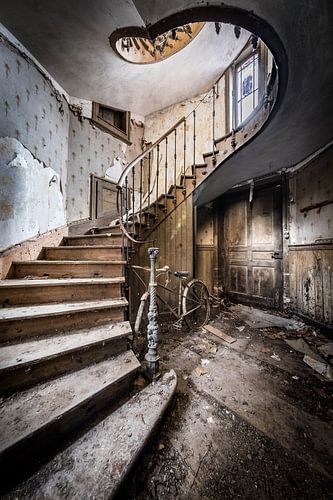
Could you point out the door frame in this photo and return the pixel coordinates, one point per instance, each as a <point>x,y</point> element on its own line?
<point>238,194</point>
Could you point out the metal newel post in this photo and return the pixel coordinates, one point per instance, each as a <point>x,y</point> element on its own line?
<point>152,357</point>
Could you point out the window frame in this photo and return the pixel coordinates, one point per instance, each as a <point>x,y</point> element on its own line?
<point>248,52</point>
<point>239,98</point>
<point>106,126</point>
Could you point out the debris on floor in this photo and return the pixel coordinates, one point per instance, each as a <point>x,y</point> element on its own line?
<point>301,346</point>
<point>326,350</point>
<point>312,358</point>
<point>320,366</point>
<point>201,371</point>
<point>250,418</point>
<point>261,319</point>
<point>205,346</point>
<point>218,333</point>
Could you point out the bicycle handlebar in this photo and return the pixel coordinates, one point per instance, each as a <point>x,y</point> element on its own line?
<point>164,269</point>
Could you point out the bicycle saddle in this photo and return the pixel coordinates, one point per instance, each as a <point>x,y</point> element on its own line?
<point>181,274</point>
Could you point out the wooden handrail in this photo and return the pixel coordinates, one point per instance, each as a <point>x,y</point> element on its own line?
<point>150,148</point>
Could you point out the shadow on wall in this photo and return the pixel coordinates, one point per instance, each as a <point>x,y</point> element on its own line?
<point>31,199</point>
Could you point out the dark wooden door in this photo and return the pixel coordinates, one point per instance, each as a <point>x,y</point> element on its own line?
<point>252,247</point>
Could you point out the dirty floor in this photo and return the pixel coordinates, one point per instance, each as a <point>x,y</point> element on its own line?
<point>250,419</point>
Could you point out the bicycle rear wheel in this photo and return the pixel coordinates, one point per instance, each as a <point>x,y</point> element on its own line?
<point>196,305</point>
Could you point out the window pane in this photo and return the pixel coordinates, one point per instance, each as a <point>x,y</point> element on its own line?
<point>247,106</point>
<point>247,85</point>
<point>247,80</point>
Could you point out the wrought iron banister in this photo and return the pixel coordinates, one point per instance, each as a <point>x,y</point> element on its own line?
<point>147,150</point>
<point>147,199</point>
<point>154,175</point>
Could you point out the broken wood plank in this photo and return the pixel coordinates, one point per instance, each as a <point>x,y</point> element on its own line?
<point>219,333</point>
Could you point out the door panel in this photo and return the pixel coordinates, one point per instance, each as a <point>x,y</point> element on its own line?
<point>252,244</point>
<point>238,279</point>
<point>103,198</point>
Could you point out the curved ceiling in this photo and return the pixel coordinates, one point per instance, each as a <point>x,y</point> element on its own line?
<point>300,35</point>
<point>70,39</point>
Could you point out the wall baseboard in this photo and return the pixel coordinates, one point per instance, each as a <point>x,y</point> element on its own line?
<point>30,249</point>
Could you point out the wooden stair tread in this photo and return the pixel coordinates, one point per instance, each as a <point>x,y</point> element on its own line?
<point>79,236</point>
<point>37,408</point>
<point>26,353</point>
<point>102,227</point>
<point>30,282</point>
<point>83,247</point>
<point>187,176</point>
<point>44,310</point>
<point>98,461</point>
<point>210,153</point>
<point>67,262</point>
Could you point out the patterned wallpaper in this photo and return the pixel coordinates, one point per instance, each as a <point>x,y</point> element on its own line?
<point>93,151</point>
<point>31,111</point>
<point>37,115</point>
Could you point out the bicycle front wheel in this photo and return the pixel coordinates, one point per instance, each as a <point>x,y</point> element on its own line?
<point>196,305</point>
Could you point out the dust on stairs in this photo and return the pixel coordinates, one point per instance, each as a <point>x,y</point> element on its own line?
<point>66,374</point>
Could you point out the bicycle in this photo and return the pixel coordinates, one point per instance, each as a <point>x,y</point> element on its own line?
<point>192,299</point>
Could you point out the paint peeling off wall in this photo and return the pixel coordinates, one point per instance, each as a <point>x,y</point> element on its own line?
<point>31,199</point>
<point>309,187</point>
<point>311,239</point>
<point>31,109</point>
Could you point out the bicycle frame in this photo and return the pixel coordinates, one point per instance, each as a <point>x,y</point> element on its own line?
<point>177,312</point>
<point>179,315</point>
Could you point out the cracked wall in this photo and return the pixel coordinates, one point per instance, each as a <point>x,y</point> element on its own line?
<point>31,199</point>
<point>48,135</point>
<point>34,122</point>
<point>32,111</point>
<point>310,250</point>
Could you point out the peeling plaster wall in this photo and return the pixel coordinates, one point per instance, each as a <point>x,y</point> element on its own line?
<point>31,201</point>
<point>308,186</point>
<point>93,151</point>
<point>46,139</point>
<point>32,110</point>
<point>34,120</point>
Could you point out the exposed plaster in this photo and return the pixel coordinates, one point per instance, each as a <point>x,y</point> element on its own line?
<point>31,198</point>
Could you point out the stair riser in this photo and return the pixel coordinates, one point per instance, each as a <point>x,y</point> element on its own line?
<point>65,270</point>
<point>28,453</point>
<point>27,328</point>
<point>63,253</point>
<point>28,375</point>
<point>60,293</point>
<point>111,240</point>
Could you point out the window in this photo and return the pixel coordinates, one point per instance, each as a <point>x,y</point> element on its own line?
<point>112,120</point>
<point>247,87</point>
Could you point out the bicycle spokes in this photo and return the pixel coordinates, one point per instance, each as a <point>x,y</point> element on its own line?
<point>196,306</point>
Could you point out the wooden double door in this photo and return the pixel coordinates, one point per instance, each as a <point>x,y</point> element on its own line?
<point>251,243</point>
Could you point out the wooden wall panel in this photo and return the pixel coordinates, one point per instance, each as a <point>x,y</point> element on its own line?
<point>206,247</point>
<point>174,238</point>
<point>311,281</point>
